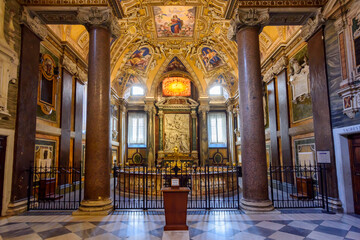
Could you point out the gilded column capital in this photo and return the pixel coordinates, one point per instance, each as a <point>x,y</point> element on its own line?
<point>99,16</point>
<point>312,25</point>
<point>193,114</point>
<point>34,23</point>
<point>149,108</point>
<point>251,17</point>
<point>204,108</point>
<point>161,114</point>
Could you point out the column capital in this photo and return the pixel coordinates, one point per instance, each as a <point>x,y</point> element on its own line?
<point>279,66</point>
<point>193,114</point>
<point>204,108</point>
<point>312,25</point>
<point>99,17</point>
<point>34,23</point>
<point>149,108</point>
<point>250,17</point>
<point>161,113</point>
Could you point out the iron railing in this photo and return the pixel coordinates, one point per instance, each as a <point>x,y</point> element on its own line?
<point>298,186</point>
<point>54,188</point>
<point>211,187</point>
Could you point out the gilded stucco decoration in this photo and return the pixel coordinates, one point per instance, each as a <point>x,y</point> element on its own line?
<point>153,32</point>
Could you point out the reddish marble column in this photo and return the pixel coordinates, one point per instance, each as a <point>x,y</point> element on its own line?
<point>98,144</point>
<point>253,153</point>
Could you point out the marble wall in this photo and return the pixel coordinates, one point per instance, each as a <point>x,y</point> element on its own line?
<point>12,7</point>
<point>334,78</point>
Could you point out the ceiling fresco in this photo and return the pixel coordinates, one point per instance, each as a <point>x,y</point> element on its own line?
<point>174,21</point>
<point>184,36</point>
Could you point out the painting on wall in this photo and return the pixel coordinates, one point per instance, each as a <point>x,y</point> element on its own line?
<point>47,86</point>
<point>174,21</point>
<point>117,84</point>
<point>211,59</point>
<point>305,152</point>
<point>139,59</point>
<point>177,132</point>
<point>176,86</point>
<point>133,79</point>
<point>45,153</point>
<point>175,65</point>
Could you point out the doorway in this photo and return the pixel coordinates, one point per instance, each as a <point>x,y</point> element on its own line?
<point>2,167</point>
<point>354,149</point>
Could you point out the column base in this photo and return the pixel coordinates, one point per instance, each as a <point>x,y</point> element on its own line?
<point>256,206</point>
<point>94,208</point>
<point>15,208</point>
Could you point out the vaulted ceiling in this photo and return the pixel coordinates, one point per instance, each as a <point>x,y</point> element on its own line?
<point>152,38</point>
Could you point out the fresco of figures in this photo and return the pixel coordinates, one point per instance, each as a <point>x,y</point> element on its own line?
<point>175,21</point>
<point>211,59</point>
<point>139,59</point>
<point>175,65</point>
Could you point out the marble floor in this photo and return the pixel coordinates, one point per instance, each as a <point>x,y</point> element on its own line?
<point>209,225</point>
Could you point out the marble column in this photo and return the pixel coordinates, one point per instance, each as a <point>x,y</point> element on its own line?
<point>194,147</point>
<point>245,30</point>
<point>231,134</point>
<point>97,199</point>
<point>122,133</point>
<point>161,125</point>
<point>150,109</point>
<point>204,108</point>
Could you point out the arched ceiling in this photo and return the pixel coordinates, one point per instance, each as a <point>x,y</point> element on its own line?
<point>151,39</point>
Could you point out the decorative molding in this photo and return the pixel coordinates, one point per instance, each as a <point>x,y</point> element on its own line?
<point>99,16</point>
<point>281,3</point>
<point>251,17</point>
<point>64,2</point>
<point>35,24</point>
<point>312,25</point>
<point>280,65</point>
<point>69,65</point>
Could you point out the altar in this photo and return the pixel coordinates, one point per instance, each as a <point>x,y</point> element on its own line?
<point>178,127</point>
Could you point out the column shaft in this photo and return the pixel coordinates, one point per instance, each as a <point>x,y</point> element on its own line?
<point>255,185</point>
<point>97,157</point>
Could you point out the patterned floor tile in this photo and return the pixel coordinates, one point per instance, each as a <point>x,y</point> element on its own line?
<point>54,232</point>
<point>264,232</point>
<point>297,231</point>
<point>105,236</point>
<point>284,235</point>
<point>353,235</point>
<point>270,225</point>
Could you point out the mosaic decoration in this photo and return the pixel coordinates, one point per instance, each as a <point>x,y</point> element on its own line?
<point>132,80</point>
<point>175,65</point>
<point>211,59</point>
<point>176,86</point>
<point>174,21</point>
<point>139,59</point>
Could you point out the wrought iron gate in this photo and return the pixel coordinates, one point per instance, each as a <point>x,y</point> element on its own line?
<point>298,186</point>
<point>211,187</point>
<point>54,188</point>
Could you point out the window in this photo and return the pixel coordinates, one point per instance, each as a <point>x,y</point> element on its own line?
<point>137,130</point>
<point>137,91</point>
<point>217,129</point>
<point>216,91</point>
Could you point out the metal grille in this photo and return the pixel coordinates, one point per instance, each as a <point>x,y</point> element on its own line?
<point>53,188</point>
<point>211,187</point>
<point>298,186</point>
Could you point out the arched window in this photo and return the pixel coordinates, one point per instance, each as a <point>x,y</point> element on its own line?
<point>137,91</point>
<point>216,90</point>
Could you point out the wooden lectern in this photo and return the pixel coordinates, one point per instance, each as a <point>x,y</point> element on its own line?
<point>175,203</point>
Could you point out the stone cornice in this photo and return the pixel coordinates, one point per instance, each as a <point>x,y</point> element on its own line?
<point>35,24</point>
<point>69,65</point>
<point>252,17</point>
<point>280,65</point>
<point>99,16</point>
<point>312,25</point>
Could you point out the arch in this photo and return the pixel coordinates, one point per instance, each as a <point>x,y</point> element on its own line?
<point>160,75</point>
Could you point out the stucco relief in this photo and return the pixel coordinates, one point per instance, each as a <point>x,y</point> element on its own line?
<point>299,80</point>
<point>177,132</point>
